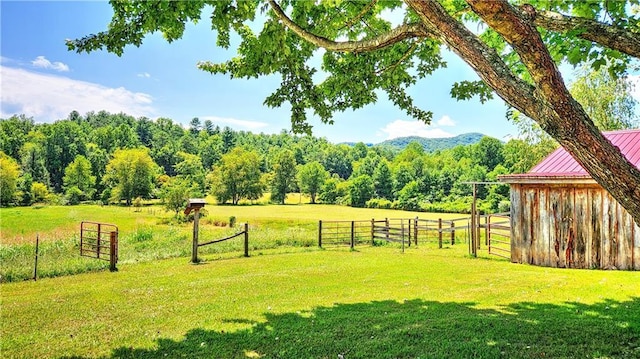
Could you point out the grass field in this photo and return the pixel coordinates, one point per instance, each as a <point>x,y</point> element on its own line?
<point>150,233</point>
<point>375,302</point>
<point>291,299</point>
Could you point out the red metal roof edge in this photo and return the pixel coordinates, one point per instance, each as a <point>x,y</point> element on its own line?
<point>561,159</point>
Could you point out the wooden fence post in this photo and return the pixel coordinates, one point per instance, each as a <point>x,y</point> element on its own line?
<point>246,239</point>
<point>113,251</point>
<point>196,219</point>
<point>352,234</point>
<point>486,230</point>
<point>409,230</point>
<point>402,234</point>
<point>320,234</point>
<point>415,231</point>
<point>470,238</point>
<point>453,233</point>
<point>439,232</point>
<point>35,267</point>
<point>98,240</point>
<point>489,233</point>
<point>373,233</point>
<point>386,223</point>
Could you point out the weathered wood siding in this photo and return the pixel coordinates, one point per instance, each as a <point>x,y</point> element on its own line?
<point>582,226</point>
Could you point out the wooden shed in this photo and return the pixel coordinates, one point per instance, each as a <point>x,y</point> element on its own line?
<point>560,217</point>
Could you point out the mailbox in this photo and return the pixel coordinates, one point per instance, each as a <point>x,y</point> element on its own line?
<point>194,205</point>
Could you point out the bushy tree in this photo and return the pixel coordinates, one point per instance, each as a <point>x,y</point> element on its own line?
<point>237,176</point>
<point>191,170</point>
<point>39,192</point>
<point>360,190</point>
<point>130,174</point>
<point>33,160</point>
<point>283,176</point>
<point>176,193</point>
<point>410,197</point>
<point>331,191</point>
<point>78,175</point>
<point>488,152</point>
<point>311,178</point>
<point>64,141</point>
<point>9,173</point>
<point>383,181</point>
<point>605,98</point>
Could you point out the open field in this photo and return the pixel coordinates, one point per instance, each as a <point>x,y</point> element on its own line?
<point>150,233</point>
<point>375,302</point>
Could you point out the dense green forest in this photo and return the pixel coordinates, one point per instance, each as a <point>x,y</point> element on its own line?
<point>116,158</point>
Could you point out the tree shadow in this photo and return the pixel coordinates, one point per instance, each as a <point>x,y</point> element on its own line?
<point>420,329</point>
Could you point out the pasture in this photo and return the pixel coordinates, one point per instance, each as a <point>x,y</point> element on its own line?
<point>297,301</point>
<point>149,233</point>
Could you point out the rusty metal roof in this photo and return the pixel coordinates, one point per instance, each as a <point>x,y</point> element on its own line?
<point>561,164</point>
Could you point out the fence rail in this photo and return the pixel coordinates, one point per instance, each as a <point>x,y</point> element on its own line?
<point>245,231</point>
<point>408,231</point>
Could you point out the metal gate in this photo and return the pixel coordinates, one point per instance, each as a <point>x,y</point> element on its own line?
<point>100,241</point>
<point>498,227</point>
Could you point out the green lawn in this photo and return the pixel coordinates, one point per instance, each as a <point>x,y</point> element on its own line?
<point>375,302</point>
<point>291,299</point>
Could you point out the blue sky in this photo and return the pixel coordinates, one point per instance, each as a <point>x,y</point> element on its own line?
<point>40,78</point>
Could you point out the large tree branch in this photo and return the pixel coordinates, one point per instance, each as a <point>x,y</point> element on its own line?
<point>396,35</point>
<point>483,59</point>
<point>606,35</point>
<point>568,123</point>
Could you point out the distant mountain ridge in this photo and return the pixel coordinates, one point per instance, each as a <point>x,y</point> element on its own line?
<point>434,144</point>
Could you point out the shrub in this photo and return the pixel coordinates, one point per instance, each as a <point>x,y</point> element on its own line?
<point>73,195</point>
<point>142,235</point>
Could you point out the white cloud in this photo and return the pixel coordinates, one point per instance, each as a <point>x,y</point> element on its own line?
<point>42,62</point>
<point>445,121</point>
<point>144,74</point>
<point>243,124</point>
<point>400,128</point>
<point>49,97</point>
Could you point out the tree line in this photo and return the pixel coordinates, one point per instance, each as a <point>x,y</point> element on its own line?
<point>116,158</point>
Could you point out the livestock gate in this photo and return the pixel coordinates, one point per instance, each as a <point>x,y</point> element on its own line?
<point>407,231</point>
<point>498,234</point>
<point>100,241</point>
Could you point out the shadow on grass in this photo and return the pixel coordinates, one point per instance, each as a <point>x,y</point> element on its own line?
<point>416,328</point>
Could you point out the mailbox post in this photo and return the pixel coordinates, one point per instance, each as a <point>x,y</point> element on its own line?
<point>195,204</point>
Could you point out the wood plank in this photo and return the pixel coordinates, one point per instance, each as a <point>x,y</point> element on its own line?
<point>608,240</point>
<point>555,224</point>
<point>516,223</point>
<point>582,227</point>
<point>568,221</point>
<point>544,241</point>
<point>525,250</point>
<point>533,216</point>
<point>596,228</point>
<point>625,257</point>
